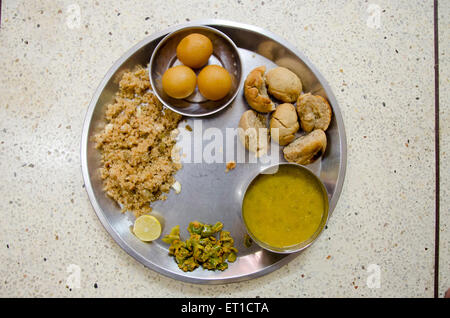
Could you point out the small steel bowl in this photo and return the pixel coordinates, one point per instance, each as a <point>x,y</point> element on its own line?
<point>301,246</point>
<point>225,53</point>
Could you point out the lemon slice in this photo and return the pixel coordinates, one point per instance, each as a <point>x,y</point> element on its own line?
<point>147,228</point>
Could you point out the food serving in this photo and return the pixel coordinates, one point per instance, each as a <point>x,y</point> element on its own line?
<point>214,82</point>
<point>307,148</point>
<point>206,190</point>
<point>202,248</point>
<point>211,56</point>
<point>194,50</point>
<point>314,112</point>
<point>136,145</point>
<point>255,91</point>
<point>283,84</point>
<point>284,209</point>
<point>253,132</point>
<point>179,81</point>
<point>147,228</point>
<point>284,124</point>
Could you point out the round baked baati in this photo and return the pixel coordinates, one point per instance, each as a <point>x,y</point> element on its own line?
<point>255,91</point>
<point>314,112</point>
<point>253,132</point>
<point>306,149</point>
<point>284,124</point>
<point>283,84</point>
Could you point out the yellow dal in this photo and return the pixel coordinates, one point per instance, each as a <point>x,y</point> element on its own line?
<point>285,208</point>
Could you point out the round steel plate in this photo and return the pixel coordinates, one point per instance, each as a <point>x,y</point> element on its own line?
<point>209,194</point>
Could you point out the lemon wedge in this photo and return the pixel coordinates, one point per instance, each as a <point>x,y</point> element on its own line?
<point>147,228</point>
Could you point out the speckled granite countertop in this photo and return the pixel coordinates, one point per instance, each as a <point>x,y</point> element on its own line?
<point>379,60</point>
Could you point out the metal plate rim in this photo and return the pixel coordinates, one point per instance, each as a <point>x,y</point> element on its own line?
<point>87,123</point>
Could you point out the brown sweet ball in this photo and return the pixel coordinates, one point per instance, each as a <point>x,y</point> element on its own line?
<point>179,81</point>
<point>194,50</point>
<point>214,82</point>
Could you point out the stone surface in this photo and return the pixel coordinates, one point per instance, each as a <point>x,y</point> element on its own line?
<point>381,71</point>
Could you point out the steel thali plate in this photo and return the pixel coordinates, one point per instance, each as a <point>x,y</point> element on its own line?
<point>209,194</point>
